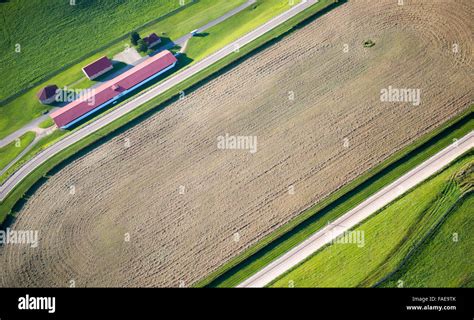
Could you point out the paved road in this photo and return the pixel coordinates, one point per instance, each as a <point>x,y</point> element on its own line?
<point>40,133</point>
<point>32,126</point>
<point>181,41</point>
<point>106,119</point>
<point>352,218</point>
<point>19,156</point>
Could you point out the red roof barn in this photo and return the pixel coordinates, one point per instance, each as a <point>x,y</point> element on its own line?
<point>97,68</point>
<point>112,90</point>
<point>152,40</point>
<point>47,95</point>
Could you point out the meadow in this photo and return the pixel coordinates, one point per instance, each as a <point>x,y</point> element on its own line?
<point>39,37</point>
<point>445,259</point>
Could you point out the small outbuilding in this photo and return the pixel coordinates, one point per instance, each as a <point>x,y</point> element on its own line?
<point>152,40</point>
<point>47,95</point>
<point>97,68</point>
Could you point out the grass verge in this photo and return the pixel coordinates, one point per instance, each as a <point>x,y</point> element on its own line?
<point>441,259</point>
<point>40,145</point>
<point>9,152</point>
<point>235,27</point>
<point>47,123</point>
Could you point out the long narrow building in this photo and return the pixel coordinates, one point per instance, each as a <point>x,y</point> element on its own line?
<point>112,90</point>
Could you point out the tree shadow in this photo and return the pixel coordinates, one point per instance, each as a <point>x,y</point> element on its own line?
<point>201,34</point>
<point>10,219</point>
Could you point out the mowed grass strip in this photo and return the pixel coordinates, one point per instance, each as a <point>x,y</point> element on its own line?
<point>48,122</point>
<point>9,152</point>
<point>389,236</point>
<point>445,259</point>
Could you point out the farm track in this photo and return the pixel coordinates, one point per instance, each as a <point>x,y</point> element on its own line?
<point>181,237</point>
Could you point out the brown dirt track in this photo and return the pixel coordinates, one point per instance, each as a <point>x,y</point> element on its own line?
<point>182,237</point>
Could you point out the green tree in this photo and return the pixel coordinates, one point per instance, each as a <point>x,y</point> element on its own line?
<point>134,37</point>
<point>142,46</point>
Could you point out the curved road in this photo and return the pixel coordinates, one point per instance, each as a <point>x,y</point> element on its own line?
<point>352,218</point>
<point>74,137</point>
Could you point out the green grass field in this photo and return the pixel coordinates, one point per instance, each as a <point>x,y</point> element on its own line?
<point>9,152</point>
<point>441,261</point>
<point>235,27</point>
<point>16,113</point>
<point>46,123</point>
<point>52,33</point>
<point>396,233</point>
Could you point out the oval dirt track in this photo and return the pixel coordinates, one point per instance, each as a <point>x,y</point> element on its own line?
<point>333,130</point>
